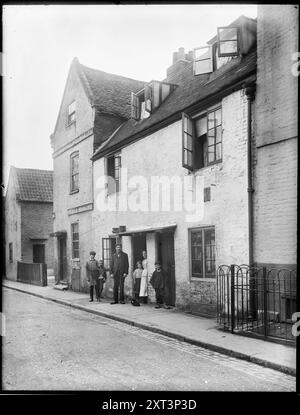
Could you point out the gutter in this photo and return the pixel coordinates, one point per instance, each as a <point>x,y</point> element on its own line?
<point>250,93</point>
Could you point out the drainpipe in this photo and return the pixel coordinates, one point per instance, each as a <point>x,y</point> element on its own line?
<point>250,93</point>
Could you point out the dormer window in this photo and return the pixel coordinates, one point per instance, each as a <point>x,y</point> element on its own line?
<point>144,102</point>
<point>203,62</point>
<point>71,113</point>
<point>228,43</point>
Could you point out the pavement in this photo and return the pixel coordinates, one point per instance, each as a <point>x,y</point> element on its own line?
<point>196,330</point>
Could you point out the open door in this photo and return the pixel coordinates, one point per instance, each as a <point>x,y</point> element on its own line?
<point>166,256</point>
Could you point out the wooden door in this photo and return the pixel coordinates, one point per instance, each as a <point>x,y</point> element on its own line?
<point>38,253</point>
<point>168,265</point>
<point>62,258</point>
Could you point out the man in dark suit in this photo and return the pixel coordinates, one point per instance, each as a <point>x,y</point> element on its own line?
<point>119,271</point>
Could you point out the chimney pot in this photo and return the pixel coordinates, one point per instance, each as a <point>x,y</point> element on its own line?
<point>181,54</point>
<point>190,55</point>
<point>175,57</point>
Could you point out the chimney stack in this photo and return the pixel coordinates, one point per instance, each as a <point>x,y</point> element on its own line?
<point>180,61</point>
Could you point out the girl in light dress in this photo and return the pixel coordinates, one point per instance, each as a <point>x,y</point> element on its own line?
<point>144,279</point>
<point>137,276</point>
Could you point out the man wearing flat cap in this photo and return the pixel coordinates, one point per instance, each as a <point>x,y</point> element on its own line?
<point>92,274</point>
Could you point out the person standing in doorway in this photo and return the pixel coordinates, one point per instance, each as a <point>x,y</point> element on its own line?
<point>92,273</point>
<point>119,271</point>
<point>144,279</point>
<point>101,280</point>
<point>137,275</point>
<point>158,282</point>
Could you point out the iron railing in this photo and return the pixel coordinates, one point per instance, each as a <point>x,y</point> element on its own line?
<point>256,301</point>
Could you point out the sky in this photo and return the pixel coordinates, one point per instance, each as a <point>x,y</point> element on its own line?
<point>40,42</point>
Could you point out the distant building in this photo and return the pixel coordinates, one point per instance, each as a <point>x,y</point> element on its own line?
<point>28,218</point>
<point>94,105</point>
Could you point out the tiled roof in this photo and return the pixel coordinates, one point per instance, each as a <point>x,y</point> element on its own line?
<point>190,91</point>
<point>34,185</point>
<point>110,93</point>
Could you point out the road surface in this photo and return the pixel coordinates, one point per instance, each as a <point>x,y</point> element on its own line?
<point>48,346</point>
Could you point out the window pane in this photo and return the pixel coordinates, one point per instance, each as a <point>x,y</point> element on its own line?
<point>218,117</point>
<point>201,67</point>
<point>219,134</point>
<point>196,238</point>
<point>197,252</point>
<point>211,140</point>
<point>187,126</point>
<point>201,126</point>
<point>211,154</point>
<point>229,47</point>
<point>188,142</point>
<point>202,53</point>
<point>189,158</point>
<point>228,33</point>
<point>211,120</point>
<point>197,268</point>
<point>72,107</point>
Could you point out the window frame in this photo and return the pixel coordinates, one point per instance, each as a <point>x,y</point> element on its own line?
<point>209,47</point>
<point>75,240</point>
<point>215,161</point>
<point>70,114</point>
<point>184,149</point>
<point>118,168</point>
<point>237,40</point>
<point>74,155</point>
<point>202,229</point>
<point>192,119</point>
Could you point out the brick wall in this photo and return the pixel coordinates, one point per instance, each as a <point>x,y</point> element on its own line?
<point>12,228</point>
<point>275,126</point>
<point>37,223</point>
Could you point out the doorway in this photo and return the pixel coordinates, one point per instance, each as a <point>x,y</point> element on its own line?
<point>166,256</point>
<point>62,259</point>
<point>38,253</point>
<point>138,246</point>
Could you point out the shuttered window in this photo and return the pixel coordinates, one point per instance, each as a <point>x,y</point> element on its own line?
<point>113,172</point>
<point>135,107</point>
<point>187,142</point>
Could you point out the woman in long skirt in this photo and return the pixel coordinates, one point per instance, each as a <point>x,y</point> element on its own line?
<point>144,279</point>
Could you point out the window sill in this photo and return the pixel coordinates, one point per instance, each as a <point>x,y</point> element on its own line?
<point>71,123</point>
<point>74,191</point>
<point>206,167</point>
<point>203,279</point>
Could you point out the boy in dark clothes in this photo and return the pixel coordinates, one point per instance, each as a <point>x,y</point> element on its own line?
<point>158,283</point>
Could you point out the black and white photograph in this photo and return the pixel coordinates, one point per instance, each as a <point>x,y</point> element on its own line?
<point>149,200</point>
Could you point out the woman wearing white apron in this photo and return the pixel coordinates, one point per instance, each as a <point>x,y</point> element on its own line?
<point>144,279</point>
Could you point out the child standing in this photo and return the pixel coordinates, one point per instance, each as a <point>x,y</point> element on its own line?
<point>158,283</point>
<point>137,275</point>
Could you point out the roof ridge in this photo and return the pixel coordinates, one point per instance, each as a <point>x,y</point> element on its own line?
<point>29,168</point>
<point>109,73</point>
